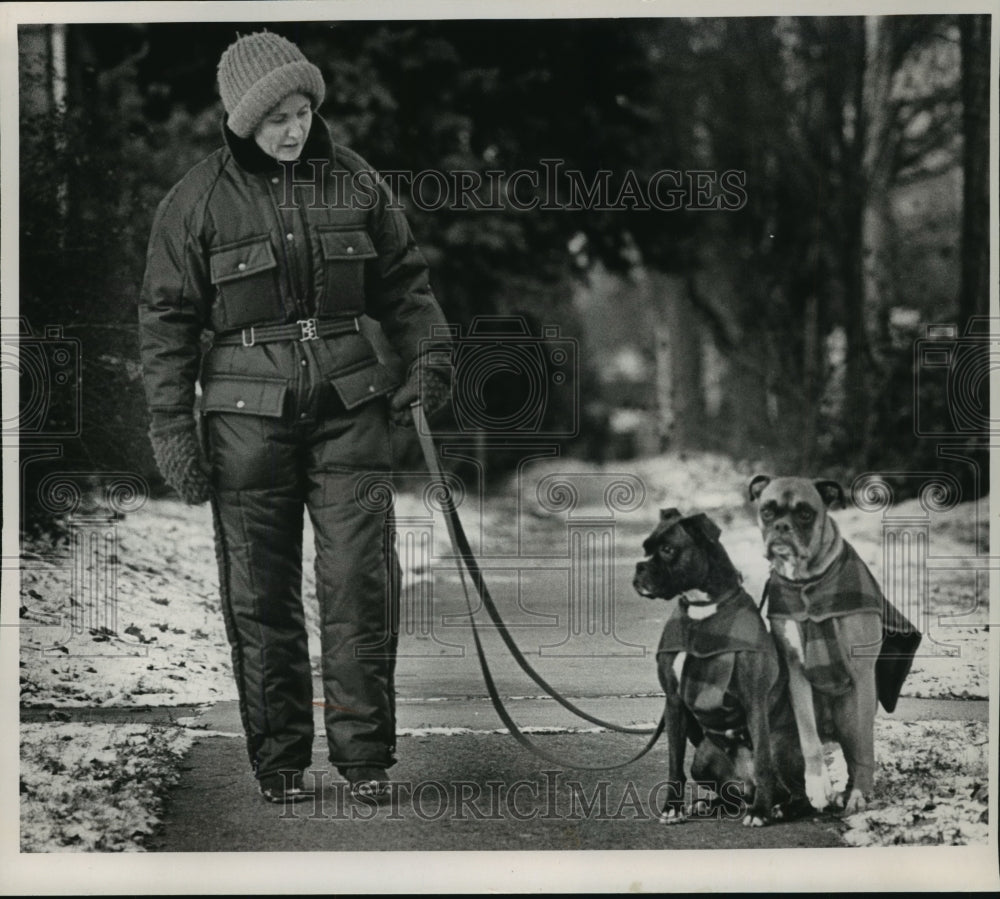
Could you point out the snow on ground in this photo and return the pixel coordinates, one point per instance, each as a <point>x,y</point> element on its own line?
<point>140,623</point>
<point>930,786</point>
<point>87,787</point>
<point>131,617</point>
<point>138,620</point>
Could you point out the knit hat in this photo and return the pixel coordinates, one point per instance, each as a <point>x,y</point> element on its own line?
<point>257,72</point>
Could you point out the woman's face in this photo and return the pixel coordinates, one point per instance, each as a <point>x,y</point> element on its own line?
<point>283,132</point>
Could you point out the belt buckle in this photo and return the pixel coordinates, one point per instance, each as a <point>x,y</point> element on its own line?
<point>309,330</point>
<point>243,336</point>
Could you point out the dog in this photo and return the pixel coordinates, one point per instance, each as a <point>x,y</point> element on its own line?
<point>724,684</point>
<point>844,645</point>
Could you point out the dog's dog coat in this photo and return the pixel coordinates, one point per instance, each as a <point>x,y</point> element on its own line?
<point>724,683</point>
<point>846,648</point>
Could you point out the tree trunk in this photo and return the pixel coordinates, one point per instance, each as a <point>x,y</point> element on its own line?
<point>857,350</point>
<point>974,292</point>
<point>868,227</point>
<point>677,335</point>
<point>689,393</point>
<point>746,425</point>
<point>879,137</point>
<point>812,370</point>
<point>661,290</point>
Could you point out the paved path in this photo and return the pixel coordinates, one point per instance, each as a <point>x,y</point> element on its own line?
<point>464,787</point>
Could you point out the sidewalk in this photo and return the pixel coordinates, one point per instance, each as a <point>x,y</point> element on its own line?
<point>463,787</point>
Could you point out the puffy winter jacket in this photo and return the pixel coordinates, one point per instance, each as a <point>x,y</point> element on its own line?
<point>227,252</point>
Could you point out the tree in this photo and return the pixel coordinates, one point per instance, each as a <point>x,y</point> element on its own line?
<point>974,292</point>
<point>813,110</point>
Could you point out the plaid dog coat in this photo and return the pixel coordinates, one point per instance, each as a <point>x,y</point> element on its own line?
<point>711,645</point>
<point>845,588</point>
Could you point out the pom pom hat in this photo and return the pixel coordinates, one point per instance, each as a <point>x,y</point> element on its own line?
<point>257,72</point>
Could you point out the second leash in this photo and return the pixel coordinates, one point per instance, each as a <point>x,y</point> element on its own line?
<point>468,563</point>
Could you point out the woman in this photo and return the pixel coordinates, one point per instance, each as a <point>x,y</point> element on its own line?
<point>277,243</point>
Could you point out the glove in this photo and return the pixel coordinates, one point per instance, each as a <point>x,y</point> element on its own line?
<point>426,384</point>
<point>178,456</point>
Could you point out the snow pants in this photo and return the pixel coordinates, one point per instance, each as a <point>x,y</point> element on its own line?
<point>276,451</point>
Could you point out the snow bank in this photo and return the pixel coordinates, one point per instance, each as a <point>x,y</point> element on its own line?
<point>95,787</point>
<point>930,787</point>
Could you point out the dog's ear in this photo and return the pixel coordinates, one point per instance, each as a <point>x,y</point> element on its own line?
<point>669,516</point>
<point>703,526</point>
<point>831,493</point>
<point>757,486</point>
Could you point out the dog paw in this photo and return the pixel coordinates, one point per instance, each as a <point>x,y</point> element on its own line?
<point>673,814</point>
<point>698,808</point>
<point>819,791</point>
<point>796,807</point>
<point>753,821</point>
<point>852,801</point>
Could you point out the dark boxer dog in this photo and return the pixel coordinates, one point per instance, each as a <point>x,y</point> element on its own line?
<point>829,619</point>
<point>725,686</point>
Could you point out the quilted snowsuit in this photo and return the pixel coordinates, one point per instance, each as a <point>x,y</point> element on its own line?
<point>292,424</point>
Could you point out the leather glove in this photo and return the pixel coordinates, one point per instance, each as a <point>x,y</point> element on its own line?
<point>179,457</point>
<point>426,384</point>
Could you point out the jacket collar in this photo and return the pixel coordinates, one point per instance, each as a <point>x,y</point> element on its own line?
<point>252,159</point>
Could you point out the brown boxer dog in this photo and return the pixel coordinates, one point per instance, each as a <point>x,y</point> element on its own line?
<point>828,617</point>
<point>724,683</point>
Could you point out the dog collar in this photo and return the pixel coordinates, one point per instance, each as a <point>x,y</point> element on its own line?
<point>698,611</point>
<point>698,605</point>
<point>696,598</point>
<point>736,626</point>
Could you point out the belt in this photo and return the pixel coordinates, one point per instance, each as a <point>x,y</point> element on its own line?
<point>303,329</point>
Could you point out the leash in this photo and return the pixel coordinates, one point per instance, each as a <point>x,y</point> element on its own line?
<point>469,564</point>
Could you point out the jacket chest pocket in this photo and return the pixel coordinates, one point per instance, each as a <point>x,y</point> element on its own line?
<point>345,254</point>
<point>245,276</point>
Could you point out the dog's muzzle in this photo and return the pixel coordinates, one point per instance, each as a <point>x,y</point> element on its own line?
<point>639,582</point>
<point>782,547</point>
